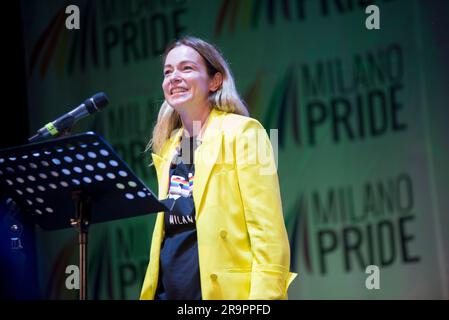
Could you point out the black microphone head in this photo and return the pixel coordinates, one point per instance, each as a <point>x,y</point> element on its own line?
<point>97,102</point>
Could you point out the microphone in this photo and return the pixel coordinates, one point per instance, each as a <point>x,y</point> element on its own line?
<point>93,104</point>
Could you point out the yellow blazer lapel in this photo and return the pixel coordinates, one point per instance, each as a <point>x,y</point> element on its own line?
<point>162,174</point>
<point>162,164</point>
<point>206,156</point>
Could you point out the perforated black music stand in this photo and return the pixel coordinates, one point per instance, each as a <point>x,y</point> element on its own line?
<point>46,179</point>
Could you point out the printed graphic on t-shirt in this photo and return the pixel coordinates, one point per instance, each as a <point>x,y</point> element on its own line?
<point>180,187</point>
<point>181,216</point>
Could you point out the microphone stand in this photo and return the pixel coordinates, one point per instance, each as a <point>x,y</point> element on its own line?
<point>82,203</point>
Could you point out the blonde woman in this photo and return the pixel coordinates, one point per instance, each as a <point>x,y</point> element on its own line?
<point>223,234</point>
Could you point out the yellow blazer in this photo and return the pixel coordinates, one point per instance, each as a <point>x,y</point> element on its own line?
<point>243,246</point>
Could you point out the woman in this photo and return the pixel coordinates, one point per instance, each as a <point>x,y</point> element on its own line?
<point>223,234</point>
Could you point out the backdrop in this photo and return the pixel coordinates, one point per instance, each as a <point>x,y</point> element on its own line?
<point>361,116</point>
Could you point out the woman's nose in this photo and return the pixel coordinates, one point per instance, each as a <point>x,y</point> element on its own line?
<point>174,77</point>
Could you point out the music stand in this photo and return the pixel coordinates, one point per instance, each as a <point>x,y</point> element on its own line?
<point>74,181</point>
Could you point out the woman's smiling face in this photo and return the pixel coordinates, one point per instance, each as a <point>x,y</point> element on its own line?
<point>186,81</point>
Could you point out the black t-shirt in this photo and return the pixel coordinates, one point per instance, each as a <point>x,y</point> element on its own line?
<point>179,276</point>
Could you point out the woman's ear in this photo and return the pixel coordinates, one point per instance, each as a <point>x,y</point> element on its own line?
<point>216,82</point>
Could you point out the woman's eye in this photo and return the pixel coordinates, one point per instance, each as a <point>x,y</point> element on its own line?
<point>188,68</point>
<point>166,72</point>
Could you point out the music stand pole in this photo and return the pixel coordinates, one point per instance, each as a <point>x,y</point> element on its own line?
<point>81,224</point>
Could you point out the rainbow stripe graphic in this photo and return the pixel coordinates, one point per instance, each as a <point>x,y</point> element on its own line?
<point>65,48</point>
<point>247,13</point>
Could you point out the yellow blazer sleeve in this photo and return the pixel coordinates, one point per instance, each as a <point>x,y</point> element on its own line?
<point>259,188</point>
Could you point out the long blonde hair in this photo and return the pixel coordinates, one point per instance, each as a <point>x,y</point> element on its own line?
<point>225,98</point>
